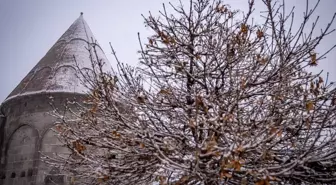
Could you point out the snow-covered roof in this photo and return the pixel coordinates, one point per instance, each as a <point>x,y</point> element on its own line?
<point>57,70</point>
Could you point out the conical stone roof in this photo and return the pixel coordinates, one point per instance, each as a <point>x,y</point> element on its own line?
<point>57,71</point>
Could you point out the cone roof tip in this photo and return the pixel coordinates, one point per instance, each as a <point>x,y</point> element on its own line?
<point>45,76</point>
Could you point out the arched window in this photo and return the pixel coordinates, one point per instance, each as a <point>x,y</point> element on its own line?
<point>20,154</point>
<point>51,145</point>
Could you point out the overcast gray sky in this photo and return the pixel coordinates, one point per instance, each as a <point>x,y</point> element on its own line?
<point>28,29</point>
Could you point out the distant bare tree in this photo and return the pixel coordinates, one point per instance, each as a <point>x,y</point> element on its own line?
<point>217,99</point>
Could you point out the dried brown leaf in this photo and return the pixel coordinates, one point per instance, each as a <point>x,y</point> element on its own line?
<point>151,42</point>
<point>163,180</point>
<point>236,165</point>
<point>165,91</point>
<point>260,34</point>
<point>244,28</point>
<point>141,99</point>
<point>192,124</point>
<point>321,80</point>
<point>309,106</point>
<point>115,134</point>
<point>142,145</point>
<point>262,182</point>
<point>182,180</point>
<point>78,146</point>
<point>313,59</point>
<point>103,179</point>
<point>226,174</point>
<point>240,149</point>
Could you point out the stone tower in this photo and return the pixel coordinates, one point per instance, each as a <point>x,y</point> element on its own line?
<point>25,121</point>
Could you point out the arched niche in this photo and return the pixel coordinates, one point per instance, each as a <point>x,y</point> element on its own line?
<point>86,76</point>
<point>18,89</point>
<point>20,155</point>
<point>39,81</point>
<point>64,78</point>
<point>51,146</point>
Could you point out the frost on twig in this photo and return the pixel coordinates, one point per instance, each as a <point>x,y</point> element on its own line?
<point>217,99</point>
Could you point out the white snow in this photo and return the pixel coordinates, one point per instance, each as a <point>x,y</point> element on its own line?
<point>63,77</point>
<point>41,92</point>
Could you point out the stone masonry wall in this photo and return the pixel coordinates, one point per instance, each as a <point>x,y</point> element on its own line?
<point>27,132</point>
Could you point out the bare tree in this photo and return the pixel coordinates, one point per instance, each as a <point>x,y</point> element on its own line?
<point>217,99</point>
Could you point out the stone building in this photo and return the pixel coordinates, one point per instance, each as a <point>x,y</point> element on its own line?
<point>25,121</point>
